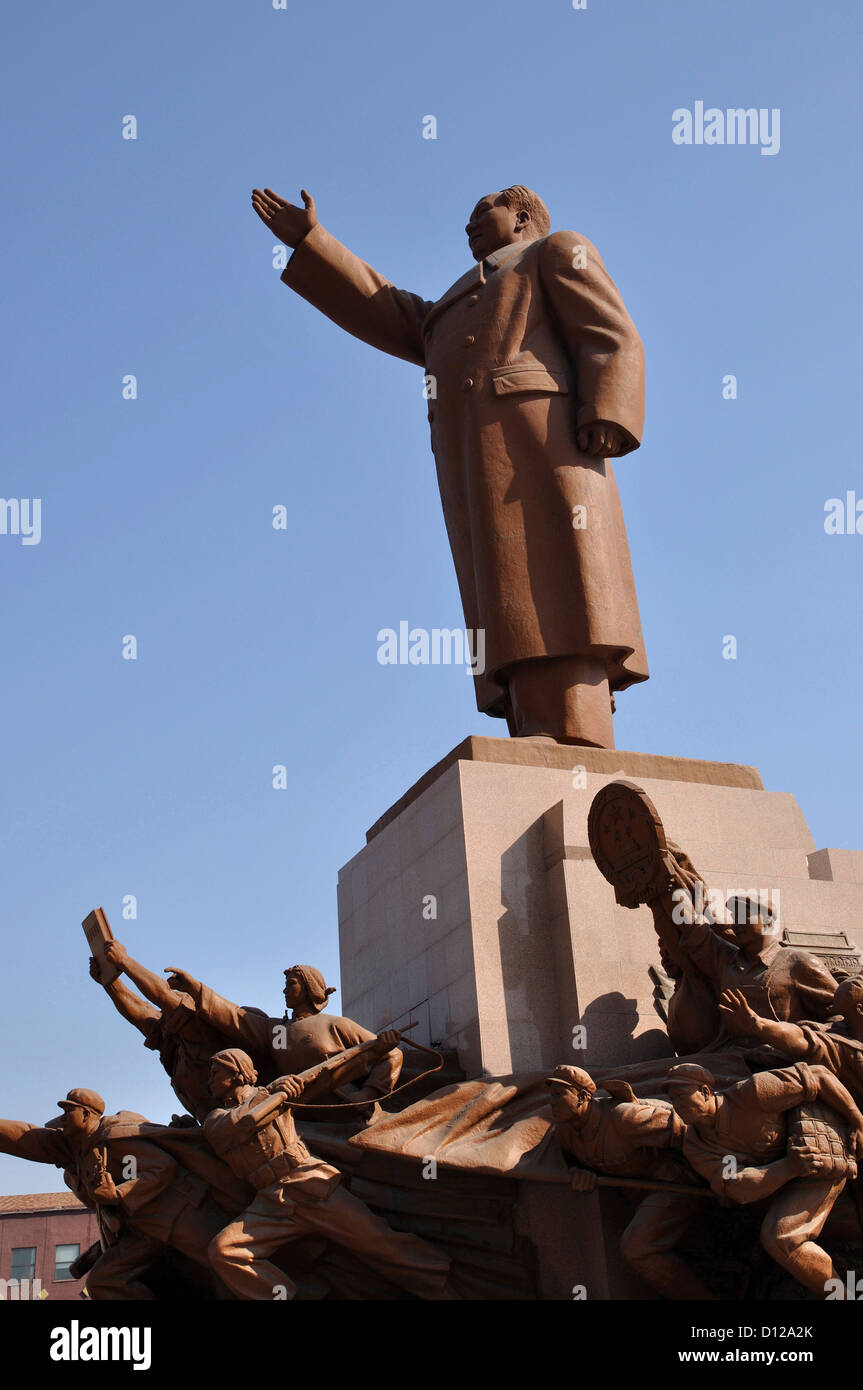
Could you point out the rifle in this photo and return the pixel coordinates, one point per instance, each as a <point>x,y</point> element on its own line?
<point>336,1071</point>
<point>607,1180</point>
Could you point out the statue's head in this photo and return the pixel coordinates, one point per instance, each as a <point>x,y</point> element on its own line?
<point>753,920</point>
<point>513,214</point>
<point>306,988</point>
<point>82,1111</point>
<point>692,1091</point>
<point>230,1068</point>
<point>571,1090</point>
<point>848,1001</point>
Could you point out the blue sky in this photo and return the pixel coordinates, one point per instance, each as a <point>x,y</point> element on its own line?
<point>255,647</point>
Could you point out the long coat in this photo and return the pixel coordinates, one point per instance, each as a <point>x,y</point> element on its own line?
<point>518,359</point>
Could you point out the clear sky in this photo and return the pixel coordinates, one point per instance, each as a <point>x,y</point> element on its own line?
<point>259,647</point>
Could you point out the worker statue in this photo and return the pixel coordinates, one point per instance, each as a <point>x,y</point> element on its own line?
<point>535,381</point>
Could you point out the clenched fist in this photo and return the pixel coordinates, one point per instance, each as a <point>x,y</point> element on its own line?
<point>292,1086</point>
<point>601,441</point>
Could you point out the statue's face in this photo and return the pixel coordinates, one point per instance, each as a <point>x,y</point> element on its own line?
<point>295,991</point>
<point>568,1104</point>
<point>492,225</point>
<point>694,1106</point>
<point>750,928</point>
<point>221,1078</point>
<point>754,932</point>
<point>846,1003</point>
<point>75,1121</point>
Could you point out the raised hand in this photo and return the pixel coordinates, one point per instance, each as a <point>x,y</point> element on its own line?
<point>116,953</point>
<point>390,1038</point>
<point>739,1018</point>
<point>286,221</point>
<point>182,982</point>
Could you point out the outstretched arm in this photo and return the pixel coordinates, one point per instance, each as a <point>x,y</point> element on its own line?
<point>130,1006</point>
<point>753,1184</point>
<point>153,987</point>
<point>743,1022</point>
<point>334,280</point>
<point>250,1028</point>
<point>40,1145</point>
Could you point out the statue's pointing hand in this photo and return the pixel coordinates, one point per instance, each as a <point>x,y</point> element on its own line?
<point>286,221</point>
<point>181,981</point>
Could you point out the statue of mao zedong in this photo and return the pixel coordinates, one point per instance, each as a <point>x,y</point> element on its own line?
<point>535,380</point>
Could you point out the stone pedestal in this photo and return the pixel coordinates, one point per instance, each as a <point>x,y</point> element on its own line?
<point>476,907</point>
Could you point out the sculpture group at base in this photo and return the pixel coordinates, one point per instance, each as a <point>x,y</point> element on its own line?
<point>258,1190</point>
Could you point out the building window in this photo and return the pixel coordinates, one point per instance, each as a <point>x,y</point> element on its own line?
<point>63,1257</point>
<point>23,1262</point>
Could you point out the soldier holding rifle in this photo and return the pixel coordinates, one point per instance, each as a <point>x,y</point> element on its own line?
<point>298,1194</point>
<point>145,1199</point>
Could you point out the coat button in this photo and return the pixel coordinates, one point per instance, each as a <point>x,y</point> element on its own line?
<point>473,299</point>
<point>468,383</point>
<point>469,340</point>
<point>431,416</point>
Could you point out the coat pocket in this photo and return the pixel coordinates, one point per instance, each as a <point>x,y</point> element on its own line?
<point>509,381</point>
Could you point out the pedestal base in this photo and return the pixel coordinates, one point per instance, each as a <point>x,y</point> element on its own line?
<point>476,907</point>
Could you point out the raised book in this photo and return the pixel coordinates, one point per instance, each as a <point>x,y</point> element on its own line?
<point>98,933</point>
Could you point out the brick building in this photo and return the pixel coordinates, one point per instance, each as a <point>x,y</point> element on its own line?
<point>40,1234</point>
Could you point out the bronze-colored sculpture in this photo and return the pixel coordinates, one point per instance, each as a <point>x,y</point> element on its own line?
<point>837,1045</point>
<point>704,956</point>
<point>535,379</point>
<point>780,982</point>
<point>621,1135</point>
<point>146,1198</point>
<point>744,1143</point>
<point>171,1026</point>
<point>297,1194</point>
<point>293,1044</point>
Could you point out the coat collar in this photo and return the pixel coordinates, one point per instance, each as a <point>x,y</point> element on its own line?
<point>503,253</point>
<point>474,277</point>
<point>462,286</point>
